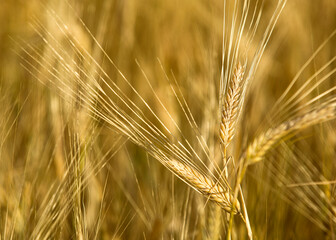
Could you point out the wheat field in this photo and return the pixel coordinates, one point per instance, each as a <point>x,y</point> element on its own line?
<point>128,119</point>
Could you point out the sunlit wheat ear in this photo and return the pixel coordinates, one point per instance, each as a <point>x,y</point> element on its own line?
<point>259,147</point>
<point>232,106</point>
<point>201,183</point>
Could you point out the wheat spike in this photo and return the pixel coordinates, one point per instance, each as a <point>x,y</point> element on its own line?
<point>259,147</point>
<point>232,106</point>
<point>206,186</point>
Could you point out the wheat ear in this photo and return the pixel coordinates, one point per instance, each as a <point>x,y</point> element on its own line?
<point>232,106</point>
<point>259,147</point>
<point>206,186</point>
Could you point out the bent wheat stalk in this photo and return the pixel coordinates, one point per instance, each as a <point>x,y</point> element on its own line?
<point>126,117</point>
<point>203,184</point>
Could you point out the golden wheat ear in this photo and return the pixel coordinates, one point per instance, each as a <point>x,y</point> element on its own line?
<point>232,106</point>
<point>259,147</point>
<point>214,191</point>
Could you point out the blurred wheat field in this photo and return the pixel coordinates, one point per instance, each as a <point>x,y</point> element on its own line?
<point>117,119</point>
